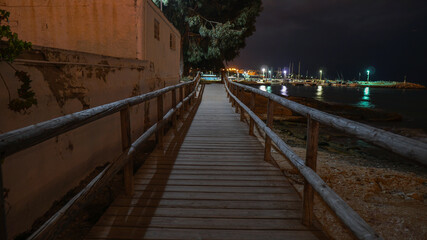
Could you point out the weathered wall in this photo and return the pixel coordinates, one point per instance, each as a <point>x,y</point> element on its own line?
<point>65,82</point>
<point>119,28</point>
<point>166,60</point>
<point>94,26</point>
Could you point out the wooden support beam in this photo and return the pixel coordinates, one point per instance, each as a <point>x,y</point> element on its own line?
<point>181,98</point>
<point>242,113</point>
<point>3,226</point>
<point>146,115</point>
<point>174,117</point>
<point>311,162</point>
<point>251,121</point>
<point>236,93</point>
<point>270,115</point>
<point>159,133</point>
<point>126,142</point>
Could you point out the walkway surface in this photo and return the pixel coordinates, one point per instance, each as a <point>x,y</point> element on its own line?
<point>213,186</point>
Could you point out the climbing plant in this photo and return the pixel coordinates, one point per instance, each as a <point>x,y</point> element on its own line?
<point>10,47</point>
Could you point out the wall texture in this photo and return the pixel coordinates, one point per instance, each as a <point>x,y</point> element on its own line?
<point>119,28</point>
<point>65,82</point>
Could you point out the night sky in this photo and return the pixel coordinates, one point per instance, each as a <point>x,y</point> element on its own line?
<point>345,36</point>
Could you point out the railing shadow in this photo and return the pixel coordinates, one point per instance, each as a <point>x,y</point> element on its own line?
<point>148,202</point>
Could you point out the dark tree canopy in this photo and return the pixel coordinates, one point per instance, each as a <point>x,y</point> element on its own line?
<point>212,31</point>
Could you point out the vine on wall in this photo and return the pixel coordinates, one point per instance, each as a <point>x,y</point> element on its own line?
<point>10,47</point>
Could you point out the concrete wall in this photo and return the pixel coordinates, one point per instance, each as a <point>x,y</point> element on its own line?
<point>119,28</point>
<point>166,60</point>
<point>65,82</point>
<point>93,26</point>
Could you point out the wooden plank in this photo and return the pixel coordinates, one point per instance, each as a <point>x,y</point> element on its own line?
<point>217,167</point>
<point>202,223</point>
<point>204,177</point>
<point>170,233</point>
<point>213,189</point>
<point>208,204</point>
<point>217,196</point>
<point>205,213</point>
<point>212,172</point>
<point>212,182</point>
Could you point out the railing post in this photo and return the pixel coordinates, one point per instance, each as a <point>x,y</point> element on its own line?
<point>311,162</point>
<point>3,226</point>
<point>236,91</point>
<point>270,115</point>
<point>232,92</point>
<point>228,92</point>
<point>159,133</point>
<point>174,106</point>
<point>181,99</point>
<point>242,115</point>
<point>126,142</point>
<point>146,115</point>
<point>251,120</point>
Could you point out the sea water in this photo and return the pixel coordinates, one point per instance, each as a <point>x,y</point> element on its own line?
<point>410,103</point>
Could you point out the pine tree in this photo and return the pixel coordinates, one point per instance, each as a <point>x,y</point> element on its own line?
<point>212,31</point>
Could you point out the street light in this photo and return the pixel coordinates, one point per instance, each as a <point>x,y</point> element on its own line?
<point>284,74</point>
<point>263,70</point>
<point>320,75</point>
<point>269,72</point>
<point>367,71</point>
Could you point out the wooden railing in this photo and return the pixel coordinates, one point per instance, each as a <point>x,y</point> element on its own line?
<point>20,139</point>
<point>406,147</point>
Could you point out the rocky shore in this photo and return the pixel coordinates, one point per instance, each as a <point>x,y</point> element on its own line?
<point>385,189</point>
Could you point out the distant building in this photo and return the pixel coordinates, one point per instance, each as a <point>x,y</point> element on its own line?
<point>134,29</point>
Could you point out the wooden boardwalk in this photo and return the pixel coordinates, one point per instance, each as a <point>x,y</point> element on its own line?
<point>210,184</point>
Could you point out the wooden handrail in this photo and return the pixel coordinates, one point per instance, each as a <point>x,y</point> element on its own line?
<point>345,213</point>
<point>20,139</point>
<point>398,144</point>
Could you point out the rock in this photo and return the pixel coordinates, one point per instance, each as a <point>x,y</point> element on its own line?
<point>416,196</point>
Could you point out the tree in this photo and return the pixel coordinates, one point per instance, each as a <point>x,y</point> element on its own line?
<point>212,31</point>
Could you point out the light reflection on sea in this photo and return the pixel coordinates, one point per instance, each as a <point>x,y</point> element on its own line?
<point>410,103</point>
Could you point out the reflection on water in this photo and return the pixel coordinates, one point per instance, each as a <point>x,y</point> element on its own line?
<point>319,93</point>
<point>269,89</point>
<point>409,103</point>
<point>284,91</point>
<point>366,100</point>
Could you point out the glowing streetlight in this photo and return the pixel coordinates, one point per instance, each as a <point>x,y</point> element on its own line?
<point>320,75</point>
<point>284,74</point>
<point>263,71</point>
<point>269,72</point>
<point>367,71</point>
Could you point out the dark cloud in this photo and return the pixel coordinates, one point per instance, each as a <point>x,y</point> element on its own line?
<point>342,35</point>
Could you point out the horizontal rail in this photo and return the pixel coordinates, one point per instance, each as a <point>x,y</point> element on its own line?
<point>20,139</point>
<point>348,216</point>
<point>398,144</point>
